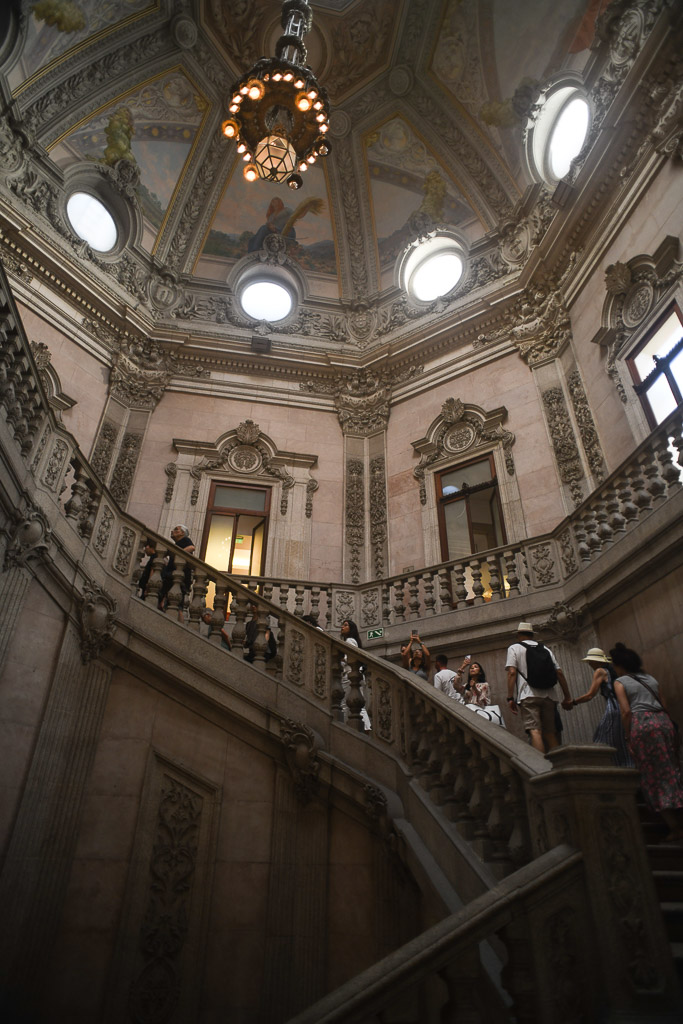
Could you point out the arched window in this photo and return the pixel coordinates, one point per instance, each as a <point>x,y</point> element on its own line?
<point>656,366</point>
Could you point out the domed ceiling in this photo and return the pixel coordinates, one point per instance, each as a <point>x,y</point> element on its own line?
<point>429,99</point>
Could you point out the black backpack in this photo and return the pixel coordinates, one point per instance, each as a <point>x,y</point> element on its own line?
<point>541,671</point>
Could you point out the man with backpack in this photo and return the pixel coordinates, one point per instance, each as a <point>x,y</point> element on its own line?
<point>533,676</point>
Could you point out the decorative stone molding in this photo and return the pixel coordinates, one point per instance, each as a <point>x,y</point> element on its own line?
<point>344,606</point>
<point>302,758</point>
<point>103,531</point>
<point>105,445</point>
<point>586,424</point>
<point>458,430</point>
<point>154,990</point>
<point>124,552</point>
<point>311,487</point>
<point>124,470</point>
<point>320,672</point>
<point>49,378</point>
<point>296,657</point>
<point>539,324</point>
<point>382,710</point>
<point>354,514</point>
<point>543,565</point>
<point>563,623</point>
<point>97,614</point>
<point>55,464</point>
<point>378,514</point>
<point>634,289</point>
<point>369,612</point>
<point>171,471</point>
<point>362,397</point>
<point>30,537</point>
<point>564,443</point>
<point>135,380</point>
<point>247,451</point>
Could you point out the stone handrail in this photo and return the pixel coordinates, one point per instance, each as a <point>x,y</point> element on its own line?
<point>649,477</point>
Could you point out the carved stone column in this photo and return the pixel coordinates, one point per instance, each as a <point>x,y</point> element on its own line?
<point>40,853</point>
<point>296,925</point>
<point>28,540</point>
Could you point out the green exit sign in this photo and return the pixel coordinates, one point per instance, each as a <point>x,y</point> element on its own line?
<point>375,634</point>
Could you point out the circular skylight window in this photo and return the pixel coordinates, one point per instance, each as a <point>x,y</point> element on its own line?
<point>568,136</point>
<point>558,134</point>
<point>266,300</point>
<point>432,269</point>
<point>92,221</point>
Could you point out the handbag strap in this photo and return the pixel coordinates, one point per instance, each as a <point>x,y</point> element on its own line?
<point>656,696</point>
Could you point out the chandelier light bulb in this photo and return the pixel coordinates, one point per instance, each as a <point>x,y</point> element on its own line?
<point>256,89</point>
<point>250,172</point>
<point>230,128</point>
<point>318,105</point>
<point>241,148</point>
<point>234,107</point>
<point>299,84</point>
<point>312,94</point>
<point>311,158</point>
<point>324,128</point>
<point>303,102</point>
<point>277,77</point>
<point>244,90</point>
<point>295,181</point>
<point>303,166</point>
<point>289,76</point>
<point>320,117</point>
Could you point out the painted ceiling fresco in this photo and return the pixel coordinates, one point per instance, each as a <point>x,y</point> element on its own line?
<point>405,178</point>
<point>56,26</point>
<point>247,213</point>
<point>155,125</point>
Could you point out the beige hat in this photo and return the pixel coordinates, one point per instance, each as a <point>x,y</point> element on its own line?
<point>595,654</point>
<point>525,627</point>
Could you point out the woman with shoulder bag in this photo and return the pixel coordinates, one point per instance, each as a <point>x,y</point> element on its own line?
<point>651,737</point>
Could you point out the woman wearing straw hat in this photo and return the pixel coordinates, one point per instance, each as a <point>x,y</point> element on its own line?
<point>610,731</point>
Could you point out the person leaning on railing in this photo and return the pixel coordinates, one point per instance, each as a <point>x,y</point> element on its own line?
<point>609,730</point>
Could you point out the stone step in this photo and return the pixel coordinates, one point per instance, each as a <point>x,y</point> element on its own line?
<point>673,920</point>
<point>665,856</point>
<point>669,885</point>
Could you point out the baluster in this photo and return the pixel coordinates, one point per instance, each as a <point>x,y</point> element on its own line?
<point>155,581</point>
<point>399,607</point>
<point>337,687</point>
<point>315,603</point>
<point>174,598</point>
<point>284,596</point>
<point>414,599</point>
<point>299,593</point>
<point>79,488</point>
<point>656,486</point>
<point>519,846</point>
<point>328,607</point>
<point>220,602</point>
<point>89,511</point>
<point>268,591</point>
<point>498,823</point>
<point>460,586</point>
<point>494,578</point>
<point>582,548</point>
<point>355,701</point>
<point>198,602</point>
<point>260,644</point>
<point>137,571</point>
<point>238,608</point>
<point>525,579</point>
<point>462,787</point>
<point>477,585</point>
<point>445,599</point>
<point>614,516</point>
<point>604,530</point>
<point>274,666</point>
<point>519,973</point>
<point>676,433</point>
<point>591,526</point>
<point>480,800</point>
<point>386,604</point>
<point>448,770</point>
<point>626,498</point>
<point>428,590</point>
<point>671,474</point>
<point>640,495</point>
<point>511,574</point>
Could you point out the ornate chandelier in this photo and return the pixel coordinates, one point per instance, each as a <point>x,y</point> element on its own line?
<point>280,115</point>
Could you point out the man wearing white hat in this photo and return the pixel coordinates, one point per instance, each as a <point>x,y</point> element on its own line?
<point>533,676</point>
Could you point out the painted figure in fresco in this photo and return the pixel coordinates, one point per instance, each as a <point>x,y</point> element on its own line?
<point>280,220</point>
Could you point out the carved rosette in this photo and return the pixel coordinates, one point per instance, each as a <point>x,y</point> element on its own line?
<point>586,424</point>
<point>30,537</point>
<point>97,614</point>
<point>564,442</point>
<point>302,758</point>
<point>355,514</point>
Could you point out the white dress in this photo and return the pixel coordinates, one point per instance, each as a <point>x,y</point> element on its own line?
<point>346,675</point>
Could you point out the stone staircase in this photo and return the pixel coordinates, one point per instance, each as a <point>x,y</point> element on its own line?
<point>666,860</point>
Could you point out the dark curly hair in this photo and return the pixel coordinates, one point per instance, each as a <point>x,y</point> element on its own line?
<point>624,657</point>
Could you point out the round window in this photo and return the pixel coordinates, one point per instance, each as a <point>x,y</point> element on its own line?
<point>559,133</point>
<point>92,221</point>
<point>266,300</point>
<point>432,269</point>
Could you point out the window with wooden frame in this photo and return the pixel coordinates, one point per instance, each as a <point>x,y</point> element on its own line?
<point>470,518</point>
<point>656,367</point>
<point>236,528</point>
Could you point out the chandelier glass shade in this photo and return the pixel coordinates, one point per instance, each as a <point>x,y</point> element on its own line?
<point>279,114</point>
